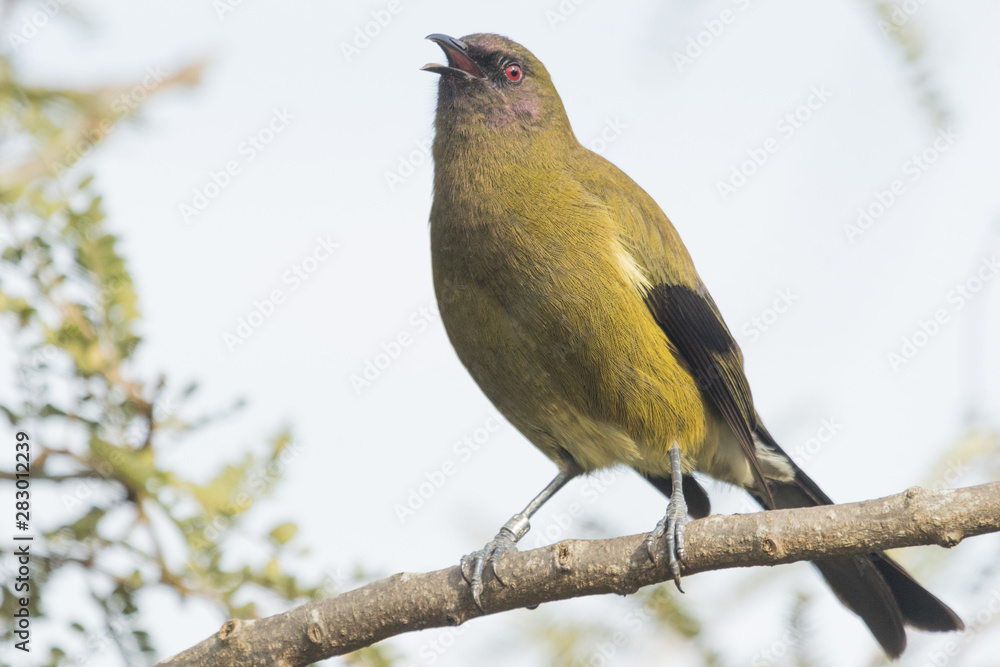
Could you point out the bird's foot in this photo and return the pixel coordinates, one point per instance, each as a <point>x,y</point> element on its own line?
<point>505,542</point>
<point>672,525</point>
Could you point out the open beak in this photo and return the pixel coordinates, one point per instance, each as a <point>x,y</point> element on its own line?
<point>459,62</point>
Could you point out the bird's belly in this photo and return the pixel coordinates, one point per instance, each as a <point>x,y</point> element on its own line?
<point>588,396</point>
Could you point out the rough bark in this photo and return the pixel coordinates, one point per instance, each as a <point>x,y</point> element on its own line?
<point>573,568</point>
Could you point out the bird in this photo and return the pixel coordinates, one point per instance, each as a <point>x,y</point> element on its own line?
<point>569,297</point>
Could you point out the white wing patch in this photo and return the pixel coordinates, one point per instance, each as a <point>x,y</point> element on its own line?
<point>630,269</point>
<point>774,465</point>
<point>730,463</point>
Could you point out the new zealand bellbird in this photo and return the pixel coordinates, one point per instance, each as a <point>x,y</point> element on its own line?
<point>571,300</point>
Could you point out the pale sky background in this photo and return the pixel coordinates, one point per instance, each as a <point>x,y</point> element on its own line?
<point>678,134</point>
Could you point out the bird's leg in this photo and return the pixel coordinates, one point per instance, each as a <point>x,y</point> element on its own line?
<point>507,539</point>
<point>672,525</point>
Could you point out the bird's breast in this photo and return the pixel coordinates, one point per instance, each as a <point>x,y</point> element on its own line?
<point>552,325</point>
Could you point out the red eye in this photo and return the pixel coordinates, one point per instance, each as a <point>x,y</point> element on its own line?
<point>513,73</point>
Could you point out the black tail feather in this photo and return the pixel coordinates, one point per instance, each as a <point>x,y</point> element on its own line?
<point>919,607</point>
<point>860,587</point>
<point>875,587</point>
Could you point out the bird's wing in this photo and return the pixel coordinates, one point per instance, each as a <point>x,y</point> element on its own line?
<point>681,305</point>
<point>692,322</point>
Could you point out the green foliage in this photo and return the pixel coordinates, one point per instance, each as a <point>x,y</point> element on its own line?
<point>70,311</point>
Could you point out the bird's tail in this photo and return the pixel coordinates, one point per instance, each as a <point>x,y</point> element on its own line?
<point>874,586</point>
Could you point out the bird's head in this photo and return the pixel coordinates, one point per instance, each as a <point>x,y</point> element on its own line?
<point>491,81</point>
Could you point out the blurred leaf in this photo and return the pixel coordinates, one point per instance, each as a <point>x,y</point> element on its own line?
<point>70,308</point>
<point>284,533</point>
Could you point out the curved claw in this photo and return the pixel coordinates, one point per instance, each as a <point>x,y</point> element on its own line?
<point>500,549</point>
<point>671,526</point>
<point>658,533</point>
<point>502,544</point>
<point>675,544</point>
<point>477,561</point>
<point>466,562</point>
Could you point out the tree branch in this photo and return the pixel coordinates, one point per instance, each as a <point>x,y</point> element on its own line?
<point>573,568</point>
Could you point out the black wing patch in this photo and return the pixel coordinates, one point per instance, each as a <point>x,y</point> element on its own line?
<point>693,324</point>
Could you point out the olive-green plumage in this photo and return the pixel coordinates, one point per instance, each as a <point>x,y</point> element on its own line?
<point>542,252</point>
<point>570,298</point>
